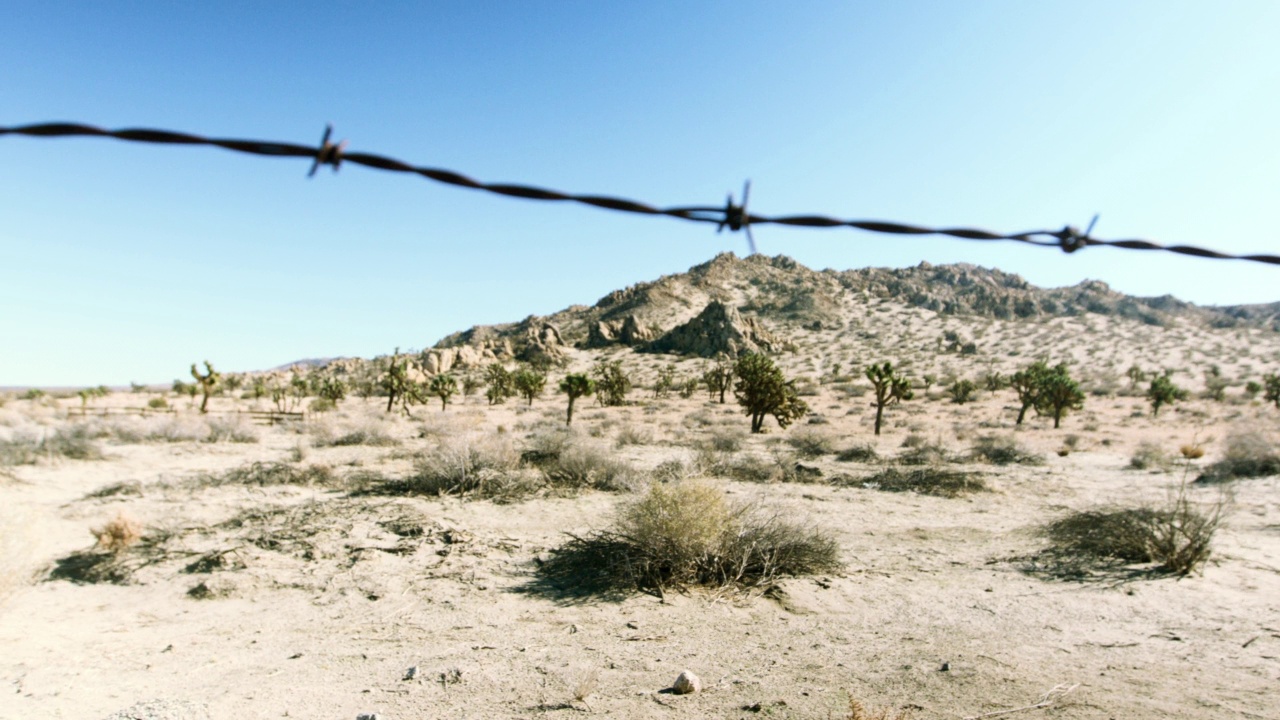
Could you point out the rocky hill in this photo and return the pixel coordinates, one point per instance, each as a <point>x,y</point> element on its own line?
<point>732,304</point>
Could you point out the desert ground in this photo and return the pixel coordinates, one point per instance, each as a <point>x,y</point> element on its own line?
<point>358,562</point>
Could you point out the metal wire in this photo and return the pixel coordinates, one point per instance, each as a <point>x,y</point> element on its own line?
<point>731,215</point>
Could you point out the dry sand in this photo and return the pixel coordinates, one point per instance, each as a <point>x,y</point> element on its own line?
<point>315,603</point>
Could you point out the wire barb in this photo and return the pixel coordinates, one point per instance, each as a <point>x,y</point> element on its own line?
<point>737,218</point>
<point>329,153</point>
<point>733,216</point>
<point>1070,239</point>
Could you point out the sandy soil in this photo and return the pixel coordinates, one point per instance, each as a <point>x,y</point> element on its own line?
<point>313,602</point>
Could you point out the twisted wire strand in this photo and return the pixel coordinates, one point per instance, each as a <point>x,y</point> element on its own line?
<point>731,215</point>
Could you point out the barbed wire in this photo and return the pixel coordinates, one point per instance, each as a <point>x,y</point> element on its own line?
<point>732,215</point>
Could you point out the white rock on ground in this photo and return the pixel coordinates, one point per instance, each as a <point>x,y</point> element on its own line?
<point>686,683</point>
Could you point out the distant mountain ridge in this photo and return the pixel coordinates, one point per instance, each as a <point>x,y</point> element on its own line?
<point>783,294</point>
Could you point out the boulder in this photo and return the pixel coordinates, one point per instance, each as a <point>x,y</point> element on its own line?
<point>717,329</point>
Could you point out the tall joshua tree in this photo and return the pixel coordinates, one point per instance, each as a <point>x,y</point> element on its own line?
<point>761,389</point>
<point>1027,384</point>
<point>890,389</point>
<point>529,382</point>
<point>718,379</point>
<point>443,386</point>
<point>1059,393</point>
<point>398,385</point>
<point>207,381</point>
<point>575,385</point>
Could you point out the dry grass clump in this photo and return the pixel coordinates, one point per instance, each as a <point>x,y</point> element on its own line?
<point>1191,452</point>
<point>1150,456</point>
<point>74,442</point>
<point>858,453</point>
<point>810,444</point>
<point>486,467</point>
<point>633,435</point>
<point>725,439</point>
<point>687,534</point>
<point>1249,454</point>
<point>118,534</point>
<point>1176,537</point>
<point>1002,451</point>
<point>737,466</point>
<point>925,481</point>
<point>924,453</point>
<point>233,430</point>
<point>581,466</point>
<point>371,434</point>
<point>265,473</point>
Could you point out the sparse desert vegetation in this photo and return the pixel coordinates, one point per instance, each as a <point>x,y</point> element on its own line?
<point>740,518</point>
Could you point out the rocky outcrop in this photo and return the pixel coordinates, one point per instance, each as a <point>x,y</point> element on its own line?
<point>443,360</point>
<point>540,342</point>
<point>717,329</point>
<point>629,331</point>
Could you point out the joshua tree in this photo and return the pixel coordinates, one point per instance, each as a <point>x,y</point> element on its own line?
<point>529,383</point>
<point>890,389</point>
<point>398,386</point>
<point>666,381</point>
<point>575,385</point>
<point>761,389</point>
<point>612,384</point>
<point>333,389</point>
<point>961,391</point>
<point>1136,375</point>
<point>1027,384</point>
<point>994,381</point>
<point>1058,394</point>
<point>500,382</point>
<point>1215,386</point>
<point>207,382</point>
<point>1163,392</point>
<point>1271,389</point>
<point>928,381</point>
<point>718,378</point>
<point>470,383</point>
<point>443,386</point>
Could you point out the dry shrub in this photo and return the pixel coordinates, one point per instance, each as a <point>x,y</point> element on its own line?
<point>482,467</point>
<point>925,481</point>
<point>1191,452</point>
<point>272,473</point>
<point>632,435</point>
<point>1003,451</point>
<point>75,442</point>
<point>858,453</point>
<point>581,466</point>
<point>1150,456</point>
<point>925,453</point>
<point>1177,537</point>
<point>118,534</point>
<point>725,439</point>
<point>1249,454</point>
<point>744,467</point>
<point>372,434</point>
<point>811,444</point>
<point>688,533</point>
<point>234,430</point>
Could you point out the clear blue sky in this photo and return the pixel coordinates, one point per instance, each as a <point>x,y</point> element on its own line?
<point>127,262</point>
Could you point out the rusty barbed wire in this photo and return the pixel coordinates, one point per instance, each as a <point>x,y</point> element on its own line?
<point>732,215</point>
